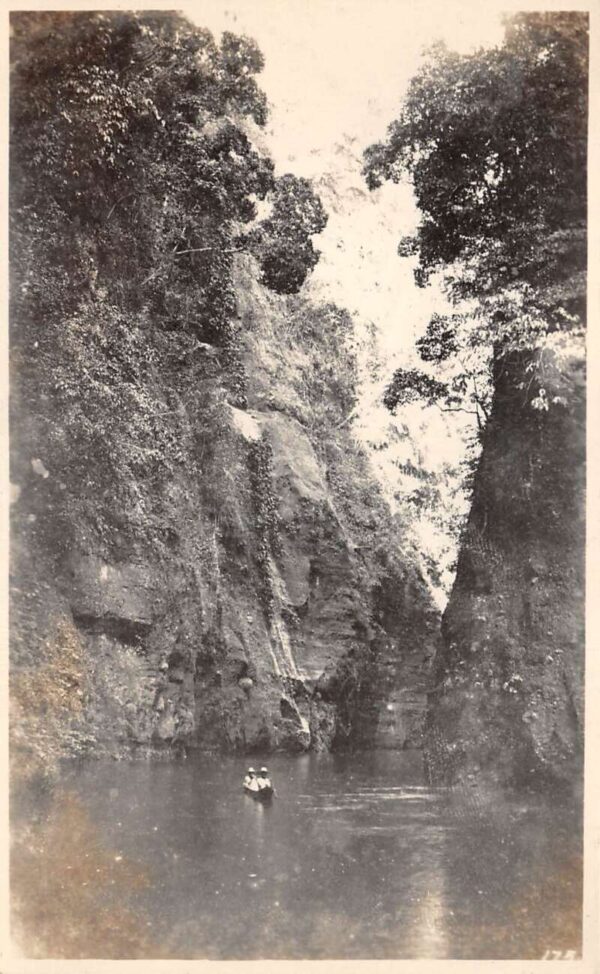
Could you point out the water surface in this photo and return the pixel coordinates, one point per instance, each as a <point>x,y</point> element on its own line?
<point>356,858</point>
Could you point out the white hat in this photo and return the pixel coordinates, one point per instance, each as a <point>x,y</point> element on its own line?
<point>263,770</point>
<point>251,771</point>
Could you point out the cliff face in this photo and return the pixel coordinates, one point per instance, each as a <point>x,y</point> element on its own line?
<point>508,700</point>
<point>254,593</point>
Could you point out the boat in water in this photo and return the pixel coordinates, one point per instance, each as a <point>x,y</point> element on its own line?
<point>259,785</point>
<point>263,794</point>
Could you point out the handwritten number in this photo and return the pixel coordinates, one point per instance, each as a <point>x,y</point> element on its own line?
<point>559,955</point>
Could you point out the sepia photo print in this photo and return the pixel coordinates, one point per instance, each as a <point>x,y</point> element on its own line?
<point>297,481</point>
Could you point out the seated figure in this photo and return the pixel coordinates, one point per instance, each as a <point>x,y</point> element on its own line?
<point>263,779</point>
<point>250,781</point>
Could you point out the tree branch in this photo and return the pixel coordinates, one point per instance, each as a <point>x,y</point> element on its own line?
<point>350,416</point>
<point>457,409</point>
<point>118,202</point>
<point>203,250</point>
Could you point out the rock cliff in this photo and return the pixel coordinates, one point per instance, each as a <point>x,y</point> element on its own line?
<point>508,701</point>
<point>201,555</point>
<point>258,596</point>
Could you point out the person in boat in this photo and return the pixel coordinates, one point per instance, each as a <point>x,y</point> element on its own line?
<point>263,779</point>
<point>250,781</point>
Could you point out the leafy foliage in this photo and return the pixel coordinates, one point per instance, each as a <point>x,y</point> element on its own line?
<point>439,341</point>
<point>495,143</point>
<point>131,165</point>
<point>329,381</point>
<point>266,515</point>
<point>495,146</point>
<point>128,170</point>
<point>410,385</point>
<point>133,176</point>
<point>40,739</point>
<point>282,242</point>
<point>456,350</point>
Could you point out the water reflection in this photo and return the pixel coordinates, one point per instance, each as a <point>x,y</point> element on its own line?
<point>355,858</point>
<point>429,923</point>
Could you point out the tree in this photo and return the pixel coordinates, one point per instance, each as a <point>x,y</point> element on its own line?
<point>495,146</point>
<point>134,182</point>
<point>282,242</point>
<point>132,166</point>
<point>452,346</point>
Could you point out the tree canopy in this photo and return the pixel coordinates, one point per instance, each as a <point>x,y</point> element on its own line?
<point>495,146</point>
<point>283,242</point>
<point>136,178</point>
<point>132,164</point>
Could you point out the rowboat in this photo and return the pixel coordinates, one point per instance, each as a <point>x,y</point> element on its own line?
<point>263,794</point>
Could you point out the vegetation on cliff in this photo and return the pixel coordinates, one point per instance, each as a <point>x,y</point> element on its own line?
<point>201,554</point>
<point>133,178</point>
<point>196,536</point>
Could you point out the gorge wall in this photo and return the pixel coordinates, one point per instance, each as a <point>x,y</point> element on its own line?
<point>200,554</point>
<point>507,705</point>
<point>257,594</point>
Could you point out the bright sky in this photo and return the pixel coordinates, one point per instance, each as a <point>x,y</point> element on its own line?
<point>335,75</point>
<point>341,66</point>
<point>336,71</point>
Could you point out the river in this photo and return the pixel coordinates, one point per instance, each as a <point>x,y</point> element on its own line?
<point>355,858</point>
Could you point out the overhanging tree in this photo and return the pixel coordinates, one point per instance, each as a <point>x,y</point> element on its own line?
<point>495,146</point>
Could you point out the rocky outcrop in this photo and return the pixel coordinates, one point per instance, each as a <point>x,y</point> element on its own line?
<point>508,700</point>
<point>261,595</point>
